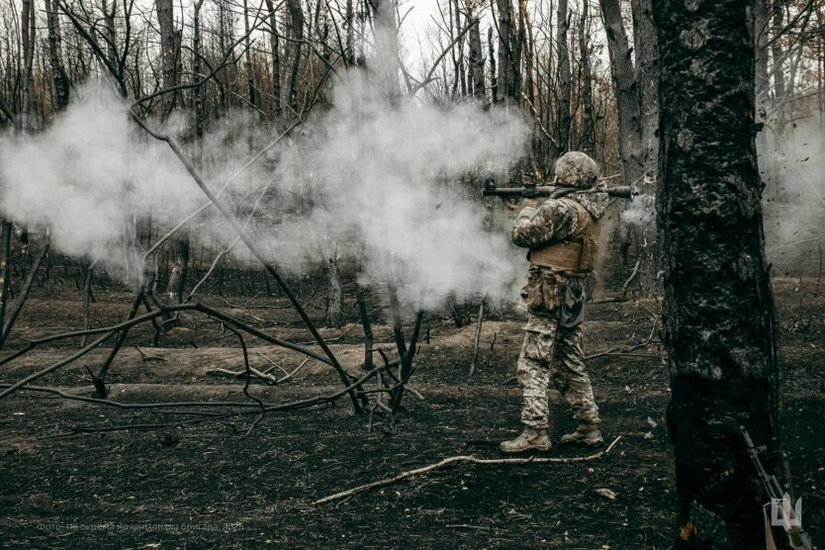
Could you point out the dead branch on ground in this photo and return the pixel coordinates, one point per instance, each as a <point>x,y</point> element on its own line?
<point>472,459</point>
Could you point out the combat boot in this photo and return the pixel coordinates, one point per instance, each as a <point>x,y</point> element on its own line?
<point>588,435</point>
<point>529,440</point>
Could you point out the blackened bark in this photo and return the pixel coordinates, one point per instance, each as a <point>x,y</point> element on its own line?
<point>627,99</point>
<point>477,61</point>
<point>197,92</point>
<point>508,53</point>
<point>588,133</point>
<point>646,76</point>
<point>386,45</point>
<point>5,257</point>
<point>335,294</point>
<point>169,55</point>
<point>493,76</point>
<point>563,24</point>
<point>27,26</point>
<point>719,313</point>
<point>250,76</point>
<point>275,56</point>
<point>59,76</point>
<point>296,16</point>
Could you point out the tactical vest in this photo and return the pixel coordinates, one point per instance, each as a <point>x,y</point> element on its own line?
<point>575,256</point>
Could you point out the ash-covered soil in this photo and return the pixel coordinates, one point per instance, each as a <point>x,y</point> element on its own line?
<point>185,481</point>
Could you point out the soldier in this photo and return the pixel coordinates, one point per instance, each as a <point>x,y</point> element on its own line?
<point>563,237</point>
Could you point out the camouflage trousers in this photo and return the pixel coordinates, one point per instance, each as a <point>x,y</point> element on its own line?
<point>553,351</point>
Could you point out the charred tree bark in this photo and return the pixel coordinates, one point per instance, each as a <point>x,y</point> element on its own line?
<point>27,26</point>
<point>5,260</point>
<point>493,75</point>
<point>588,132</point>
<point>170,56</point>
<point>646,76</point>
<point>627,99</point>
<point>275,56</point>
<point>477,61</point>
<point>563,24</point>
<point>197,92</point>
<point>386,46</point>
<point>508,53</point>
<point>250,77</point>
<point>296,23</point>
<point>59,76</point>
<point>719,312</point>
<point>335,294</point>
<point>166,22</point>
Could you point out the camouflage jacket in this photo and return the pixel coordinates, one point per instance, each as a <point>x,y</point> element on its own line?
<point>555,219</point>
<point>550,295</point>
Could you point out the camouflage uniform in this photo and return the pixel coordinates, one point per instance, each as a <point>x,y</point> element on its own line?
<point>555,299</point>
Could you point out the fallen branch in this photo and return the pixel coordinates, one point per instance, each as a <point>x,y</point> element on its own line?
<point>472,460</point>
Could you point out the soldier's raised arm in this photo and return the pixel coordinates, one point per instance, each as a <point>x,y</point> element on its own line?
<point>552,221</point>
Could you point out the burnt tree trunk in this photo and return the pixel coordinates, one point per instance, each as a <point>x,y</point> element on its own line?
<point>493,76</point>
<point>386,47</point>
<point>562,24</point>
<point>646,76</point>
<point>719,313</point>
<point>166,22</point>
<point>59,76</point>
<point>588,132</point>
<point>627,99</point>
<point>508,53</point>
<point>477,61</point>
<point>170,55</point>
<point>27,37</point>
<point>197,92</point>
<point>335,294</point>
<point>275,57</point>
<point>296,24</point>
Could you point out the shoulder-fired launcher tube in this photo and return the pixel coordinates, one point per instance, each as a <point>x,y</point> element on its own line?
<point>624,192</point>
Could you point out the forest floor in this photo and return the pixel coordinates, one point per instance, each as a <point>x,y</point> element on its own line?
<point>206,485</point>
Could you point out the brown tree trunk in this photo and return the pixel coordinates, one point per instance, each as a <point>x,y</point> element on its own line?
<point>719,312</point>
<point>563,23</point>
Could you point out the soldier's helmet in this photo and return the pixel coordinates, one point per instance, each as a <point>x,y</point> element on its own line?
<point>577,170</point>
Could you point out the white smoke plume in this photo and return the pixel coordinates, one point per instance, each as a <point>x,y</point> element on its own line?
<point>387,173</point>
<point>382,177</point>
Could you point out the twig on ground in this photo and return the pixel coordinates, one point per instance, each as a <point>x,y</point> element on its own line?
<point>472,459</point>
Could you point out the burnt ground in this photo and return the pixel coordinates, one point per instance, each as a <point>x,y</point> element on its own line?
<point>205,485</point>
